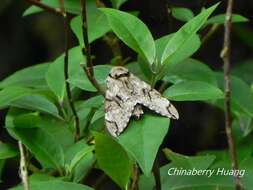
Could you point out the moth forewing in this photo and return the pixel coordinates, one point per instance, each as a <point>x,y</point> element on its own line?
<point>124,97</point>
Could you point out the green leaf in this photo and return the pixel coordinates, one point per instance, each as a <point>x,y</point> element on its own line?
<point>36,103</point>
<point>220,19</point>
<point>117,3</point>
<point>81,80</point>
<point>146,182</point>
<point>185,51</point>
<point>33,76</point>
<point>185,33</point>
<point>244,123</point>
<point>79,159</point>
<point>132,31</point>
<point>54,185</point>
<point>70,6</point>
<point>39,177</point>
<point>7,151</point>
<point>55,74</point>
<point>93,102</point>
<point>143,138</point>
<point>193,91</point>
<point>241,95</point>
<point>27,120</point>
<point>189,162</point>
<point>27,99</point>
<point>190,69</point>
<point>43,144</point>
<point>97,24</point>
<point>9,94</point>
<point>112,159</point>
<point>182,14</point>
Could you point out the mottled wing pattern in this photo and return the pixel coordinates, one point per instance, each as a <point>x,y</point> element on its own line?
<point>124,97</point>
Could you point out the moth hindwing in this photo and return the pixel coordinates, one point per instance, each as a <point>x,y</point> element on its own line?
<point>125,96</point>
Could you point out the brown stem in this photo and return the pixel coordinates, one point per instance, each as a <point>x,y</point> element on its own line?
<point>66,69</point>
<point>44,6</point>
<point>86,50</point>
<point>134,185</point>
<point>225,55</point>
<point>23,167</point>
<point>157,175</point>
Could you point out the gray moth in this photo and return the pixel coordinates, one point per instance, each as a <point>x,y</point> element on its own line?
<point>125,95</point>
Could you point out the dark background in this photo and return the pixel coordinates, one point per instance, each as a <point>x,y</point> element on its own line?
<point>30,40</point>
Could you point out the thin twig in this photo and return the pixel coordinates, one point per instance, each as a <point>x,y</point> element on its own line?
<point>214,28</point>
<point>23,167</point>
<point>44,6</point>
<point>136,173</point>
<point>156,172</point>
<point>113,42</point>
<point>225,55</point>
<point>86,50</point>
<point>66,69</point>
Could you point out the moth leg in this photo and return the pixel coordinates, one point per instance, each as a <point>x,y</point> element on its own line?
<point>112,127</point>
<point>138,111</point>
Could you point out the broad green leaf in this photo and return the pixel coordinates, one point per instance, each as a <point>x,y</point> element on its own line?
<point>39,177</point>
<point>55,74</point>
<point>42,143</point>
<point>185,51</point>
<point>27,120</point>
<point>70,6</point>
<point>132,31</point>
<point>193,91</point>
<point>86,110</point>
<point>241,95</point>
<point>9,94</point>
<point>143,138</point>
<point>55,78</point>
<point>79,159</point>
<point>146,182</point>
<point>117,3</point>
<point>185,33</point>
<point>190,70</point>
<point>189,162</point>
<point>7,151</point>
<point>182,14</point>
<point>58,129</point>
<point>54,185</point>
<point>97,23</point>
<point>81,80</point>
<point>27,99</point>
<point>220,19</point>
<point>93,102</point>
<point>33,76</point>
<point>135,68</point>
<point>36,103</point>
<point>244,123</point>
<point>112,159</point>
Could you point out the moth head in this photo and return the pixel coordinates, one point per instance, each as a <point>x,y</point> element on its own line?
<point>118,72</point>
